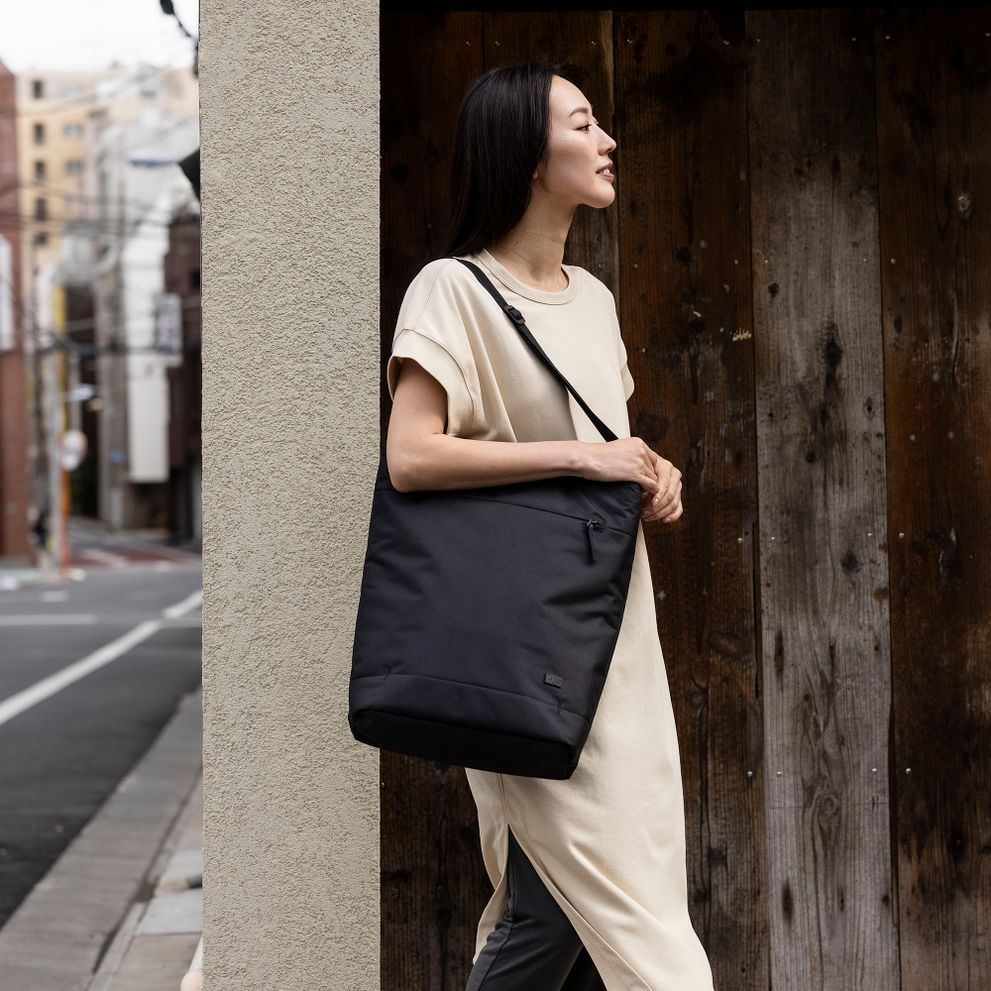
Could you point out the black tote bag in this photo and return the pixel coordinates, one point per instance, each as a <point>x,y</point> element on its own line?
<point>487,617</point>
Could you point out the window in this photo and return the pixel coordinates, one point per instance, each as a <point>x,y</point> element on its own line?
<point>41,208</point>
<point>74,166</point>
<point>41,239</point>
<point>39,134</point>
<point>38,89</point>
<point>40,172</point>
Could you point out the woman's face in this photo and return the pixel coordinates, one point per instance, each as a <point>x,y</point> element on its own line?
<point>576,149</point>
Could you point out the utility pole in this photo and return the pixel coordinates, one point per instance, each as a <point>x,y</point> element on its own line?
<point>54,427</point>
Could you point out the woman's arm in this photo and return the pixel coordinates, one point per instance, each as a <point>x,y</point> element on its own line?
<point>421,456</point>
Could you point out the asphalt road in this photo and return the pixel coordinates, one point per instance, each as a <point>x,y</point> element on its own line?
<point>90,672</point>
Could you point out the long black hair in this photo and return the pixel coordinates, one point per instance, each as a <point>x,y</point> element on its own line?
<point>499,140</point>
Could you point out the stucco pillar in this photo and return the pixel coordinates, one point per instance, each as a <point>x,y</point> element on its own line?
<point>289,110</point>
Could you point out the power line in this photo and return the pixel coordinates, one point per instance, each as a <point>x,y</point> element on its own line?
<point>50,190</point>
<point>140,76</point>
<point>189,301</point>
<point>99,229</point>
<point>168,7</point>
<point>97,225</point>
<point>114,350</point>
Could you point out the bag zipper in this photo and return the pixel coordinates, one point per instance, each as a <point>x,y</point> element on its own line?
<point>471,494</point>
<point>588,529</point>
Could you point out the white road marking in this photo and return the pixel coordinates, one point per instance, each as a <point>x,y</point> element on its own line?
<point>187,605</point>
<point>47,687</point>
<point>48,619</point>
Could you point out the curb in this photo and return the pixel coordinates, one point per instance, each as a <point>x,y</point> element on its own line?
<point>77,917</point>
<point>151,950</point>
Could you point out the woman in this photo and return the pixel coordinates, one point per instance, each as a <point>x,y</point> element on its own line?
<point>589,872</point>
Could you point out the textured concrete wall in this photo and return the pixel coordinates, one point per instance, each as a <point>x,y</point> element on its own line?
<point>290,165</point>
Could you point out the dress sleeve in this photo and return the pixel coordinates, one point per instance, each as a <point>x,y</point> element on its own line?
<point>431,331</point>
<point>624,368</point>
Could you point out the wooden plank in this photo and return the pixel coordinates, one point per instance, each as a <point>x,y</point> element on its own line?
<point>685,312</point>
<point>821,483</point>
<point>934,106</point>
<point>434,883</point>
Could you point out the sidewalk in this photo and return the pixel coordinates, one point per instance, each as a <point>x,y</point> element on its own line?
<point>159,945</point>
<point>16,572</point>
<point>122,907</point>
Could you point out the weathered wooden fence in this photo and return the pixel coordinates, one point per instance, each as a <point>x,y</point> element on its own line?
<point>801,251</point>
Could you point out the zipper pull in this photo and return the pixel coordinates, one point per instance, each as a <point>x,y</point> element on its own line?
<point>591,543</point>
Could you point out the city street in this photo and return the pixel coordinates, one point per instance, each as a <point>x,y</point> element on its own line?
<point>90,672</point>
<point>101,721</point>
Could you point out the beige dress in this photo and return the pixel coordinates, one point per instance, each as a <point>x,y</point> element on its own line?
<point>609,842</point>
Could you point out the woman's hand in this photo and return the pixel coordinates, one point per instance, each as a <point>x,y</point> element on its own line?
<point>630,459</point>
<point>665,503</point>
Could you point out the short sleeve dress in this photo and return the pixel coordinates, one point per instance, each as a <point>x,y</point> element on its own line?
<point>609,842</point>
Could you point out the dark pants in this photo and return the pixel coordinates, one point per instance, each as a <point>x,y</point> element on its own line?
<point>534,945</point>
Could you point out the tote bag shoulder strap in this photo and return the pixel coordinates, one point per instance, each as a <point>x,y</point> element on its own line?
<point>516,318</point>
